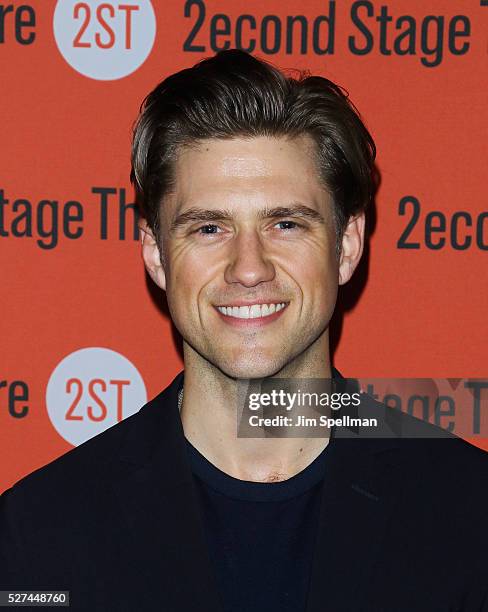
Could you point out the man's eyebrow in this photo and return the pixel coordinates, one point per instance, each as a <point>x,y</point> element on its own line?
<point>193,215</point>
<point>294,210</point>
<point>200,214</point>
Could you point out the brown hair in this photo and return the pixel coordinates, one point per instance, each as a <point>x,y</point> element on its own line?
<point>233,94</point>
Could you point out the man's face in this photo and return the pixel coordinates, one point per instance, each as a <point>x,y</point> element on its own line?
<point>248,243</point>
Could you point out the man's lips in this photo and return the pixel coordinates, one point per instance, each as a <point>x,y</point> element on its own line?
<point>251,313</point>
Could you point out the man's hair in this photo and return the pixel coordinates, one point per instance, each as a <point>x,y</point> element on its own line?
<point>235,95</point>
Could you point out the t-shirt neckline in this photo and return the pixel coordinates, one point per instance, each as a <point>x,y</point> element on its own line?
<point>246,490</point>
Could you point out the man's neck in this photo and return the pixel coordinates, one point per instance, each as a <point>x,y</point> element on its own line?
<point>209,414</point>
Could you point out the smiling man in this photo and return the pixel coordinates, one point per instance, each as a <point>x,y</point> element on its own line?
<point>253,188</point>
<point>244,216</point>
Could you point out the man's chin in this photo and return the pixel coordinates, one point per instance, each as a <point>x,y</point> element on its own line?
<point>245,370</point>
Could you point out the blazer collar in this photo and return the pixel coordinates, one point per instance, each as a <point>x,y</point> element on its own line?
<point>156,429</point>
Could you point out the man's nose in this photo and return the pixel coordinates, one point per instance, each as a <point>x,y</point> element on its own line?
<point>249,264</point>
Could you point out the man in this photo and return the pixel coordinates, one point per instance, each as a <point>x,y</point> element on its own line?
<point>253,188</point>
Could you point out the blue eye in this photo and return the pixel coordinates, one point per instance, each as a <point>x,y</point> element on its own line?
<point>209,228</point>
<point>289,225</point>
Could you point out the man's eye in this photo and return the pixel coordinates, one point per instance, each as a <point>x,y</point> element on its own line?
<point>209,228</point>
<point>288,225</point>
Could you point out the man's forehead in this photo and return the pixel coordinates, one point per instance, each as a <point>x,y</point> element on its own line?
<point>240,166</point>
<point>246,167</point>
<point>247,157</point>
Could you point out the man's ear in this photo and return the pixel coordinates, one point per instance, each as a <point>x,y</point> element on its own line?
<point>151,254</point>
<point>352,247</point>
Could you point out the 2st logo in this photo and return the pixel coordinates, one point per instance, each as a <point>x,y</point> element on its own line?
<point>104,40</point>
<point>104,16</point>
<point>97,391</point>
<point>90,390</point>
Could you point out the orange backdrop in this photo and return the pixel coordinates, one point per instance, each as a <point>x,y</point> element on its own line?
<point>73,77</point>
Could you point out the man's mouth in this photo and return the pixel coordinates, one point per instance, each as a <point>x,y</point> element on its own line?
<point>252,311</point>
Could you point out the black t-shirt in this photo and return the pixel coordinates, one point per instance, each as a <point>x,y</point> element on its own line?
<point>260,535</point>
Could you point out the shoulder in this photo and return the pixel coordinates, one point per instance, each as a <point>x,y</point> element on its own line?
<point>72,503</point>
<point>422,440</point>
<point>444,466</point>
<point>83,470</point>
<point>433,459</point>
<point>452,460</point>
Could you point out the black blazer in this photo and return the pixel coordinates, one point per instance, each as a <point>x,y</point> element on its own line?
<point>403,525</point>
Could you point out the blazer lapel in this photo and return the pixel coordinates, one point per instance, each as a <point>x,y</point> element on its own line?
<point>361,491</point>
<point>166,553</point>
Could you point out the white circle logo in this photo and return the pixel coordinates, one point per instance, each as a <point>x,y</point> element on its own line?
<point>90,390</point>
<point>104,40</point>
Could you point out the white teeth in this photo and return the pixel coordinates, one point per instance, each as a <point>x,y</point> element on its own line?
<point>256,311</point>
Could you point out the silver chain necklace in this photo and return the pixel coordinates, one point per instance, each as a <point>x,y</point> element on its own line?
<point>180,399</point>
